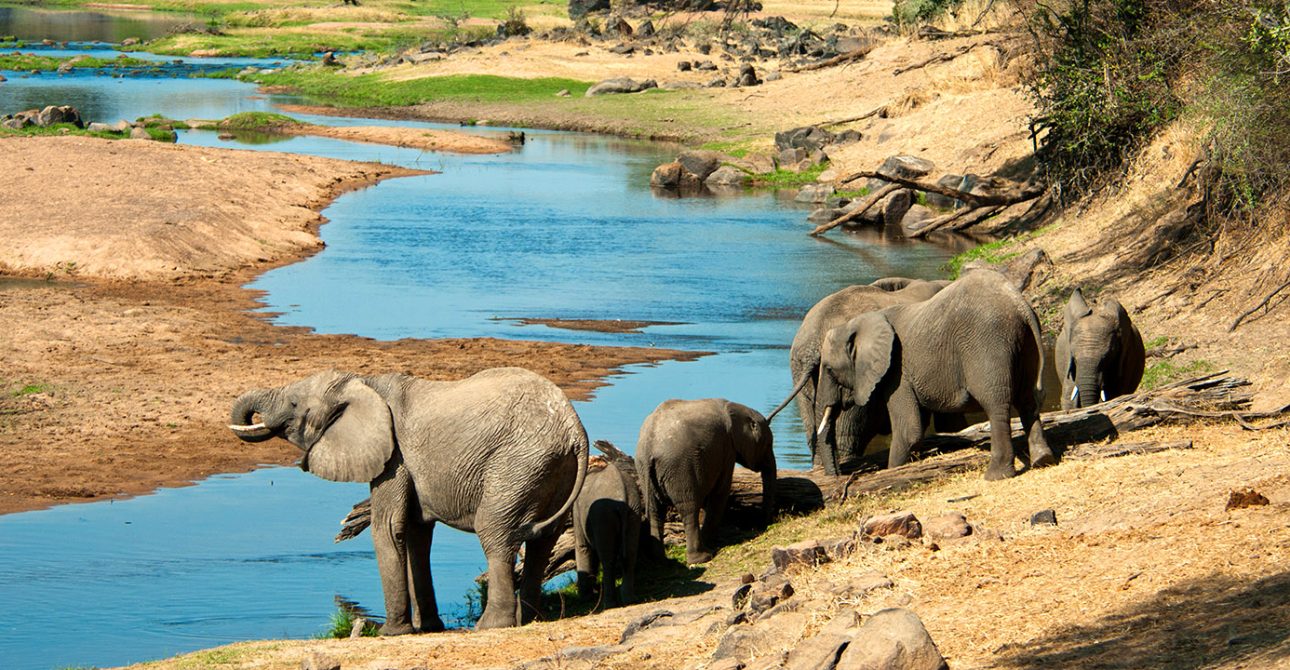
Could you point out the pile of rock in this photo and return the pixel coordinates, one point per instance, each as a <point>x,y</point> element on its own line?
<point>693,171</point>
<point>802,148</point>
<point>43,118</point>
<point>899,208</point>
<point>162,129</point>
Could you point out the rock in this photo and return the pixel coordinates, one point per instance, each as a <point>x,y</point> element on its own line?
<point>138,133</point>
<point>742,643</point>
<point>620,26</point>
<point>725,664</point>
<point>562,93</point>
<point>895,205</point>
<point>773,76</point>
<point>700,163</point>
<point>716,83</point>
<point>423,57</point>
<point>839,548</point>
<point>620,85</point>
<point>738,643</point>
<point>824,214</point>
<point>643,622</point>
<point>705,66</point>
<point>904,524</point>
<point>580,8</point>
<point>769,593</point>
<point>747,578</point>
<point>814,193</point>
<point>59,114</point>
<point>667,175</point>
<point>1236,500</point>
<point>2,79</point>
<point>1044,517</point>
<point>820,652</point>
<point>807,553</point>
<point>942,201</point>
<point>847,137</point>
<point>790,156</point>
<point>740,597</point>
<point>908,167</point>
<point>756,163</point>
<point>685,66</point>
<point>315,660</point>
<point>747,75</point>
<point>725,176</point>
<point>622,49</point>
<point>356,631</point>
<point>122,126</point>
<point>892,639</point>
<point>949,526</point>
<point>808,138</point>
<point>129,42</point>
<point>862,585</point>
<point>329,60</point>
<point>99,128</point>
<point>645,29</point>
<point>226,136</point>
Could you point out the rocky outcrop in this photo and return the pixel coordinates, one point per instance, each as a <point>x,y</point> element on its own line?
<point>49,116</point>
<point>620,85</point>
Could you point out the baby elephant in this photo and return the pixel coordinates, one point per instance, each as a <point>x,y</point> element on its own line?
<point>606,529</point>
<point>1099,354</point>
<point>686,456</point>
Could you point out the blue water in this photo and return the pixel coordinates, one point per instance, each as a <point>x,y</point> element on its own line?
<point>34,24</point>
<point>564,227</point>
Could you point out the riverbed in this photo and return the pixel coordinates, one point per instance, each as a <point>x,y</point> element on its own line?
<point>564,227</point>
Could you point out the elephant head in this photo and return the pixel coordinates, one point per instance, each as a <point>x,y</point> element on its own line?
<point>854,360</point>
<point>1099,353</point>
<point>343,426</point>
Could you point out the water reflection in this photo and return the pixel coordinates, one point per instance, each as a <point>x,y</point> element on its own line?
<point>27,23</point>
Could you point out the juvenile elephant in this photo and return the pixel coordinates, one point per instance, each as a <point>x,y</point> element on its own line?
<point>501,454</point>
<point>1099,353</point>
<point>686,456</point>
<point>606,530</point>
<point>973,346</point>
<point>855,427</point>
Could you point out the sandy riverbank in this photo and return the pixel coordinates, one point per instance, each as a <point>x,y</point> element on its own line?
<point>129,334</point>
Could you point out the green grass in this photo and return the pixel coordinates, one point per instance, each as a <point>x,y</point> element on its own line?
<point>781,178</point>
<point>1162,372</point>
<point>58,130</point>
<point>373,90</point>
<point>342,622</point>
<point>257,121</point>
<point>991,252</point>
<point>31,389</point>
<point>853,193</point>
<point>1157,342</point>
<point>29,62</point>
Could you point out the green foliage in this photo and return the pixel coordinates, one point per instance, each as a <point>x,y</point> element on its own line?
<point>1157,342</point>
<point>514,25</point>
<point>782,178</point>
<point>916,12</point>
<point>342,622</point>
<point>374,90</point>
<point>257,121</point>
<point>1162,372</point>
<point>58,130</point>
<point>991,252</point>
<point>27,62</point>
<point>31,389</point>
<point>853,193</point>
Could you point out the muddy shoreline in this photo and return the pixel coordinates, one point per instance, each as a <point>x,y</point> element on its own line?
<point>118,378</point>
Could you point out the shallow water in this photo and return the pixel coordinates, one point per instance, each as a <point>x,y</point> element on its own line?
<point>564,227</point>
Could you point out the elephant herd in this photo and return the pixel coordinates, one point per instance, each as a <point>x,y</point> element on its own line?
<point>504,455</point>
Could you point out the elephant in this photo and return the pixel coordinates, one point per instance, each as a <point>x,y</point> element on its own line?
<point>1099,353</point>
<point>501,454</point>
<point>607,522</point>
<point>974,346</point>
<point>686,456</point>
<point>855,427</point>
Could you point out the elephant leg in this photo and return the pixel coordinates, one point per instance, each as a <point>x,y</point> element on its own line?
<point>390,504</point>
<point>906,426</point>
<point>656,514</point>
<point>695,552</point>
<point>631,542</point>
<point>420,536</point>
<point>1041,456</point>
<point>609,548</point>
<point>1002,459</point>
<point>537,554</point>
<point>585,562</point>
<point>500,552</point>
<point>713,509</point>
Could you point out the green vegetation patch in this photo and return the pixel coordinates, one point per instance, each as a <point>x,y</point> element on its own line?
<point>993,253</point>
<point>257,121</point>
<point>373,90</point>
<point>342,623</point>
<point>782,178</point>
<point>31,389</point>
<point>1163,372</point>
<point>28,62</point>
<point>60,129</point>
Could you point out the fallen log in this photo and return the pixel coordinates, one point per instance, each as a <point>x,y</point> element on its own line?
<point>1013,194</point>
<point>864,206</point>
<point>855,54</point>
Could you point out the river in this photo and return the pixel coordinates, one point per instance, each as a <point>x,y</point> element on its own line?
<point>565,226</point>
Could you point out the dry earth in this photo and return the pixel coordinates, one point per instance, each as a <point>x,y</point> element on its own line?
<point>415,138</point>
<point>130,336</point>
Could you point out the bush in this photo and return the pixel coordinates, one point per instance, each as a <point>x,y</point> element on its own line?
<point>915,12</point>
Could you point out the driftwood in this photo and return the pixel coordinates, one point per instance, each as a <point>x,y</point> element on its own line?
<point>864,206</point>
<point>944,57</point>
<point>1013,194</point>
<point>963,218</point>
<point>847,57</point>
<point>1266,300</point>
<point>877,111</point>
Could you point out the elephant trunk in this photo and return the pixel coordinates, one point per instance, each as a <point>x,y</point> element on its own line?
<point>1090,388</point>
<point>244,409</point>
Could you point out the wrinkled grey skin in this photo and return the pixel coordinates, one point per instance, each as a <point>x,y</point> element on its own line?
<point>1099,353</point>
<point>501,454</point>
<point>975,346</point>
<point>856,427</point>
<point>607,519</point>
<point>686,456</point>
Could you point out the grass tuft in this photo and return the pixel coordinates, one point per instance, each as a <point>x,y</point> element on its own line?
<point>781,178</point>
<point>1162,372</point>
<point>369,90</point>
<point>257,121</point>
<point>342,622</point>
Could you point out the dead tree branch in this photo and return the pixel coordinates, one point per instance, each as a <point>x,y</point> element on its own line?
<point>864,206</point>
<point>944,57</point>
<point>847,57</point>
<point>1266,299</point>
<point>1013,194</point>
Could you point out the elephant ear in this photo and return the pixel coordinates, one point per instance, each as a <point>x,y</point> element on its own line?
<point>1077,308</point>
<point>1132,350</point>
<point>359,441</point>
<point>872,343</point>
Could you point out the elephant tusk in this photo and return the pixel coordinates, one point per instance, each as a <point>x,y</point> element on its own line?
<point>824,421</point>
<point>1075,393</point>
<point>1103,395</point>
<point>247,429</point>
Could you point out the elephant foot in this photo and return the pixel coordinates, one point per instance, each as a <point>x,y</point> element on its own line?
<point>495,620</point>
<point>698,557</point>
<point>433,625</point>
<point>1042,458</point>
<point>996,472</point>
<point>389,629</point>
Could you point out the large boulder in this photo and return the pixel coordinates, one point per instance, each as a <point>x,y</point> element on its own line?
<point>908,167</point>
<point>620,85</point>
<point>725,176</point>
<point>895,205</point>
<point>814,193</point>
<point>52,115</point>
<point>943,201</point>
<point>700,163</point>
<point>892,639</point>
<point>808,138</point>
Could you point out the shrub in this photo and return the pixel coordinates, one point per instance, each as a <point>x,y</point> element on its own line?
<point>915,12</point>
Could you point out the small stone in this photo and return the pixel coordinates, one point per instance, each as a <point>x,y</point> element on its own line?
<point>705,65</point>
<point>824,214</point>
<point>904,524</point>
<point>356,630</point>
<point>1243,498</point>
<point>1044,517</point>
<point>138,133</point>
<point>740,597</point>
<point>226,136</point>
<point>949,526</point>
<point>684,66</point>
<point>318,661</point>
<point>807,553</point>
<point>839,548</point>
<point>747,578</point>
<point>562,93</point>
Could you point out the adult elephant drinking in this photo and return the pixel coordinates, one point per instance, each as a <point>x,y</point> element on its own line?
<point>501,454</point>
<point>1099,353</point>
<point>855,426</point>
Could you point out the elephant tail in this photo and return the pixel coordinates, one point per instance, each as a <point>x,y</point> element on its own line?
<point>1033,321</point>
<point>796,390</point>
<point>544,527</point>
